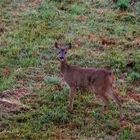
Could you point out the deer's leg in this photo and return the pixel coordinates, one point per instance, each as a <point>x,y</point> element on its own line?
<point>105,100</point>
<point>117,100</point>
<point>72,94</point>
<point>102,96</point>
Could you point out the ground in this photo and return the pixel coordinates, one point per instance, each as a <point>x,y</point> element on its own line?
<point>33,96</point>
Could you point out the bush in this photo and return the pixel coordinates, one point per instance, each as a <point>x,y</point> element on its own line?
<point>133,76</point>
<point>123,4</point>
<point>126,134</point>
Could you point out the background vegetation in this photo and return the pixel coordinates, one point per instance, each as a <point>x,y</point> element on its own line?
<point>104,33</point>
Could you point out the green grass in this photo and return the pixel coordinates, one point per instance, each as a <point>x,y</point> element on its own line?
<point>27,50</point>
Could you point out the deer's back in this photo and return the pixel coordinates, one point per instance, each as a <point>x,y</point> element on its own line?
<point>84,77</point>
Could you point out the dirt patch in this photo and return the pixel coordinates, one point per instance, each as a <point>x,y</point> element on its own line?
<point>93,38</point>
<point>24,6</point>
<point>132,95</point>
<point>136,41</point>
<point>103,41</point>
<point>108,41</point>
<point>100,11</point>
<point>90,37</point>
<point>6,72</point>
<point>82,18</point>
<point>10,105</point>
<point>79,41</point>
<point>137,130</point>
<point>15,94</point>
<point>29,4</point>
<point>10,99</point>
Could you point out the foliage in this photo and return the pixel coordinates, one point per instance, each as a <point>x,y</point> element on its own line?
<point>123,4</point>
<point>134,76</point>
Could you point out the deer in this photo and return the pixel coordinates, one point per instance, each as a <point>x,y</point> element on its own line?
<point>99,81</point>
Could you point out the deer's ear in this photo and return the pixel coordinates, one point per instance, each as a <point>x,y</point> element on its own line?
<point>69,46</point>
<point>56,45</point>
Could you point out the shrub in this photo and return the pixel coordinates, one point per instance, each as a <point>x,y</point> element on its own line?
<point>123,4</point>
<point>126,134</point>
<point>133,76</point>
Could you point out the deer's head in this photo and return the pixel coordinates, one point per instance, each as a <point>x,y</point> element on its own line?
<point>62,50</point>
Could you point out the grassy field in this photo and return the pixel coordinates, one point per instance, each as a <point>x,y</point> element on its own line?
<point>104,35</point>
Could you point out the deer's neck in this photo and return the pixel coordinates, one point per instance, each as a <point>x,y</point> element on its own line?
<point>64,66</point>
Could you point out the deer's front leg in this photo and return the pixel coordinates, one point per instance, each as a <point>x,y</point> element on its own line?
<point>72,94</point>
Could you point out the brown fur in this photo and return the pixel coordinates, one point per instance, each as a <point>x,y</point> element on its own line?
<point>101,81</point>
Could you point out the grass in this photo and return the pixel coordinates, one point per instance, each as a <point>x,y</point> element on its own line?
<point>102,37</point>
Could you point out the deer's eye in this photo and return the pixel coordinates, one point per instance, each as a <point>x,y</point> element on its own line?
<point>65,52</point>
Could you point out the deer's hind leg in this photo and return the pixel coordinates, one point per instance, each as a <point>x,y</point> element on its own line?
<point>72,94</point>
<point>101,94</point>
<point>113,94</point>
<point>105,100</point>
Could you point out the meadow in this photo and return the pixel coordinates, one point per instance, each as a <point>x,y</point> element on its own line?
<point>104,34</point>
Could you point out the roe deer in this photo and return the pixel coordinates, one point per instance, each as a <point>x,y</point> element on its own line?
<point>101,81</point>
